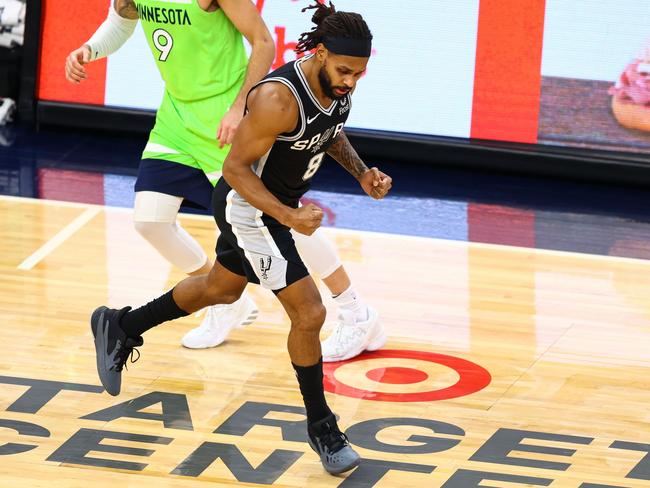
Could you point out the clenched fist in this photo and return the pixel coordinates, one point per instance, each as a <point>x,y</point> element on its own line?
<point>375,183</point>
<point>306,219</point>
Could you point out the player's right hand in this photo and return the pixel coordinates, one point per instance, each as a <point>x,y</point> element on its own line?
<point>306,219</point>
<point>74,64</point>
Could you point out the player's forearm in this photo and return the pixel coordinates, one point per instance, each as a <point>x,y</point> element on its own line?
<point>118,27</point>
<point>344,154</point>
<point>247,184</point>
<point>259,64</point>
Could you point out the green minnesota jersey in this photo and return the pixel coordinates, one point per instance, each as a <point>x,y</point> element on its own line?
<point>199,54</point>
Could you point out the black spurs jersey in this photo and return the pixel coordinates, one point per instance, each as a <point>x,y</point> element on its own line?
<point>285,170</point>
<point>295,157</point>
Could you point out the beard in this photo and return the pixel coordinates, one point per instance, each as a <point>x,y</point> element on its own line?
<point>326,85</point>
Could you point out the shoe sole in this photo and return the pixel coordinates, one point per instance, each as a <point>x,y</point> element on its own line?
<point>100,348</point>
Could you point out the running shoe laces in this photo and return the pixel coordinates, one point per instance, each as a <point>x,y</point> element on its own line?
<point>127,352</point>
<point>332,439</point>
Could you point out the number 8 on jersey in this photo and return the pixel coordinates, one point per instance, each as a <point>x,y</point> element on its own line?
<point>312,167</point>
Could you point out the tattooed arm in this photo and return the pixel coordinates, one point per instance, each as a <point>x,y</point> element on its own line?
<point>344,154</point>
<point>126,9</point>
<point>375,183</point>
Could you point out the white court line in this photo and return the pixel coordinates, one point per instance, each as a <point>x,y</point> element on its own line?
<point>59,238</point>
<point>368,233</point>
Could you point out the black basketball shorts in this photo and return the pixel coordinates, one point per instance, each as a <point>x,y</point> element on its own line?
<point>254,245</point>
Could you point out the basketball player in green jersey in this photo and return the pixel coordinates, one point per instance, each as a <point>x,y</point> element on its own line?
<point>198,48</point>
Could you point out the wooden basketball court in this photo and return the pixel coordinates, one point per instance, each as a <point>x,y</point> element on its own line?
<point>505,367</point>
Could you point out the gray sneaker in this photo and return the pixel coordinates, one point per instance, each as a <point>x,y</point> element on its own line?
<point>332,446</point>
<point>112,346</point>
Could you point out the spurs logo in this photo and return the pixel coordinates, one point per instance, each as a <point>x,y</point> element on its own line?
<point>265,266</point>
<point>318,139</point>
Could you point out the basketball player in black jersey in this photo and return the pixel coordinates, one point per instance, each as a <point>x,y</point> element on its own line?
<point>293,118</point>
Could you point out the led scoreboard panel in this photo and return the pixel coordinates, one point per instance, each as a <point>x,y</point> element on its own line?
<point>534,71</point>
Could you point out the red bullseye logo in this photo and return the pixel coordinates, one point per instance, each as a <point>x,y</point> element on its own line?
<point>471,377</point>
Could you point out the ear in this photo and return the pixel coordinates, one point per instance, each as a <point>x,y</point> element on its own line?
<point>321,52</point>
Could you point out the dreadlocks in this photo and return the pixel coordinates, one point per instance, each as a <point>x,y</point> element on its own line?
<point>329,22</point>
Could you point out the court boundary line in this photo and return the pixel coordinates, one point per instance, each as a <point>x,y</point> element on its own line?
<point>334,230</point>
<point>59,238</point>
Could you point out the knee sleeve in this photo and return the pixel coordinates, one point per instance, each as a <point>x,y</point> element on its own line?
<point>151,206</point>
<point>154,219</point>
<point>318,252</point>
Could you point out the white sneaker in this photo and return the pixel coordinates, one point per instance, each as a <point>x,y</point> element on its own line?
<point>7,109</point>
<point>219,320</point>
<point>351,337</point>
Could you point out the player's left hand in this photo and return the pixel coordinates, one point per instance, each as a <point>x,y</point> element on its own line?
<point>375,183</point>
<point>228,125</point>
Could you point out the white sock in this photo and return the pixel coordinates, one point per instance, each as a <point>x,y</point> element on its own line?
<point>349,300</point>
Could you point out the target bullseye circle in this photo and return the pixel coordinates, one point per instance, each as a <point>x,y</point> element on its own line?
<point>397,376</point>
<point>471,377</point>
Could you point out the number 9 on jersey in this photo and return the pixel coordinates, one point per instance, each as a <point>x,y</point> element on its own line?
<point>163,42</point>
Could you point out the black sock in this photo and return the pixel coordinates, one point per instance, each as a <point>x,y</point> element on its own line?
<point>310,379</point>
<point>135,322</point>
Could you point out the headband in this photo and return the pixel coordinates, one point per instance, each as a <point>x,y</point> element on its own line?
<point>348,47</point>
